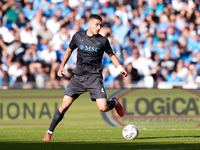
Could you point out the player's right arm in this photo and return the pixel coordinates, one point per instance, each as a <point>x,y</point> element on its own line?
<point>66,56</point>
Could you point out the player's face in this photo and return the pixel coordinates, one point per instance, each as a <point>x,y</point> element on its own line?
<point>94,26</point>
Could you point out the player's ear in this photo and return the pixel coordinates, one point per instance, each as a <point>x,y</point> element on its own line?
<point>89,23</point>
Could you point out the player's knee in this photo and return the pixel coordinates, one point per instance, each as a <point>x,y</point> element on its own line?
<point>103,109</point>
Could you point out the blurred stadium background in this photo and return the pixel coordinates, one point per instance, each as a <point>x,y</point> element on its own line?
<point>157,41</point>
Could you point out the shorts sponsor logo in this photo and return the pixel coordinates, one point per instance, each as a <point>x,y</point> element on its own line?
<point>153,106</point>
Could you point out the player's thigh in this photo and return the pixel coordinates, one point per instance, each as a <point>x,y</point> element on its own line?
<point>102,104</point>
<point>75,87</point>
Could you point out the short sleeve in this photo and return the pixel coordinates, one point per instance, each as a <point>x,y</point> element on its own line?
<point>72,44</point>
<point>108,48</point>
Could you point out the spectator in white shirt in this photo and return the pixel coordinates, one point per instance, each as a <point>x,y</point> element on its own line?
<point>48,55</point>
<point>7,36</point>
<point>28,36</point>
<point>53,24</point>
<point>138,68</point>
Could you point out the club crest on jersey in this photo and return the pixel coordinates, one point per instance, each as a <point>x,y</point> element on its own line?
<point>81,47</point>
<point>98,43</point>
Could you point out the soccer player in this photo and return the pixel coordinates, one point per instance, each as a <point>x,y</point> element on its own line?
<point>88,72</point>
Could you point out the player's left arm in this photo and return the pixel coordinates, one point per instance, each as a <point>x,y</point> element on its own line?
<point>116,62</point>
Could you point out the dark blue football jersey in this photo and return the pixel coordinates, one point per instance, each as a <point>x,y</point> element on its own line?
<point>90,53</point>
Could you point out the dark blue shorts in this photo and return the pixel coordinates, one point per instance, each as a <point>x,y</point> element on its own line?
<point>81,84</point>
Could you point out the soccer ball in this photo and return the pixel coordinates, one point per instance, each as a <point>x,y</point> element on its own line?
<point>130,132</point>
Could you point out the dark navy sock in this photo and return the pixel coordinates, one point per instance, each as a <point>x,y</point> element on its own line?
<point>111,104</point>
<point>56,119</point>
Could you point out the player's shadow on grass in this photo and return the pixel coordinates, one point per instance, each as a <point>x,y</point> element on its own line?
<point>85,145</point>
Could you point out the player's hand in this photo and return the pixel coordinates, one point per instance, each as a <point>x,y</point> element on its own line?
<point>122,71</point>
<point>61,72</point>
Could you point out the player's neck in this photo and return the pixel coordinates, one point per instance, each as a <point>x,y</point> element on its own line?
<point>88,33</point>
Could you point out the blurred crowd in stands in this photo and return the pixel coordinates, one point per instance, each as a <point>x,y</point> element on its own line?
<point>155,40</point>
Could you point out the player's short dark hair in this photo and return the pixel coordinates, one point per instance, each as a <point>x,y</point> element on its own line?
<point>94,16</point>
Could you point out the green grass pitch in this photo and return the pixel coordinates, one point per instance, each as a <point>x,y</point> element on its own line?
<point>82,127</point>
